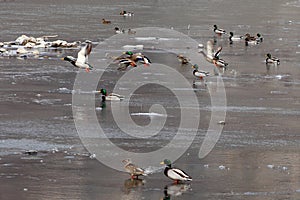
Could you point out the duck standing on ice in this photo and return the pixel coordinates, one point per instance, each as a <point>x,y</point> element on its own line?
<point>175,174</point>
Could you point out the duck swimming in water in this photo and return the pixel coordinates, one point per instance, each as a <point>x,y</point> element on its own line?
<point>253,40</point>
<point>110,97</point>
<point>104,21</point>
<point>234,38</point>
<point>219,31</point>
<point>126,14</point>
<point>272,60</point>
<point>174,173</point>
<point>82,57</point>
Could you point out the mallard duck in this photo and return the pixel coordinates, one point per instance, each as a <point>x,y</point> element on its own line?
<point>253,40</point>
<point>175,173</point>
<point>219,31</point>
<point>133,170</point>
<point>126,14</point>
<point>209,55</point>
<point>132,59</point>
<point>138,57</point>
<point>183,59</point>
<point>131,32</point>
<point>233,37</point>
<point>259,37</point>
<point>220,63</point>
<point>110,96</point>
<point>104,21</point>
<point>198,73</point>
<point>272,60</point>
<point>82,58</point>
<point>125,62</point>
<point>118,30</point>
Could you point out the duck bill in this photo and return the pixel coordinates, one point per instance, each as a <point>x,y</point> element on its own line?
<point>162,163</point>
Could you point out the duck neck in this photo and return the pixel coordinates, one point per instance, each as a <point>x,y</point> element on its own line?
<point>168,167</point>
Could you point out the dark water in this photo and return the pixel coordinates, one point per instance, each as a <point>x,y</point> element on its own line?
<point>257,156</point>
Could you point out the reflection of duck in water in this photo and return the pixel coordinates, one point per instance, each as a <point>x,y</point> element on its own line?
<point>175,190</point>
<point>130,184</point>
<point>174,173</point>
<point>133,170</point>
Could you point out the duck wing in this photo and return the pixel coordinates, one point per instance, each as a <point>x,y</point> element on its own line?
<point>178,174</point>
<point>217,53</point>
<point>82,56</point>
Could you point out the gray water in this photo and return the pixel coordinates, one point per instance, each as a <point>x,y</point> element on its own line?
<point>257,155</point>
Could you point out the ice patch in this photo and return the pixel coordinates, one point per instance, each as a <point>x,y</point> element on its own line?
<point>133,47</point>
<point>46,101</point>
<point>64,90</point>
<point>145,38</point>
<point>270,166</point>
<point>153,169</point>
<point>222,167</point>
<point>278,92</point>
<point>149,114</point>
<point>98,108</point>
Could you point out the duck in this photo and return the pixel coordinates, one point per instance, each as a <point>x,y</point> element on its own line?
<point>124,63</point>
<point>175,174</point>
<point>233,38</point>
<point>219,31</point>
<point>272,60</point>
<point>213,57</point>
<point>220,63</point>
<point>118,30</point>
<point>198,73</point>
<point>133,169</point>
<point>132,59</point>
<point>110,96</point>
<point>104,21</point>
<point>131,32</point>
<point>126,14</point>
<point>183,59</point>
<point>253,40</point>
<point>82,57</point>
<point>208,55</point>
<point>138,57</point>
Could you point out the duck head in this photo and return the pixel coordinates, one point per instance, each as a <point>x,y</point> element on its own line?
<point>130,53</point>
<point>195,66</point>
<point>166,162</point>
<point>268,55</point>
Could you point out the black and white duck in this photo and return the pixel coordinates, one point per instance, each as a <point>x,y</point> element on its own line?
<point>82,57</point>
<point>272,60</point>
<point>174,173</point>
